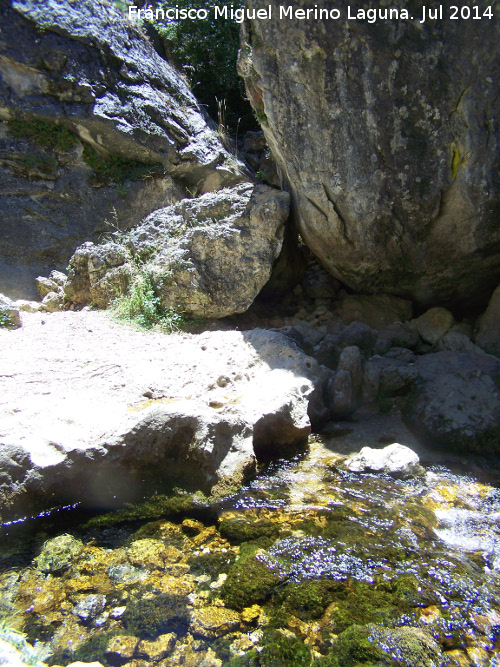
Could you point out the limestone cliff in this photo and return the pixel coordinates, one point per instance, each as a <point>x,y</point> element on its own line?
<point>94,126</point>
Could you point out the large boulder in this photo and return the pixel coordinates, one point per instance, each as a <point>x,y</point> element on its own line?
<point>208,256</point>
<point>455,402</point>
<point>96,131</point>
<point>98,413</point>
<point>385,131</point>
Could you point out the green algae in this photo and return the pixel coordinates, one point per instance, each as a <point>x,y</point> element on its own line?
<point>149,618</point>
<point>243,528</point>
<point>284,650</point>
<point>249,581</point>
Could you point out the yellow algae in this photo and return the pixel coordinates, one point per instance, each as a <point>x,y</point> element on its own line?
<point>251,614</point>
<point>151,401</point>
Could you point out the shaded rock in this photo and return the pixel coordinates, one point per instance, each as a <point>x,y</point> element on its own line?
<point>190,250</point>
<point>58,553</point>
<point>401,354</point>
<point>78,438</point>
<point>350,361</point>
<point>458,342</point>
<point>360,335</point>
<point>396,379</point>
<point>397,335</point>
<point>342,396</point>
<point>403,198</point>
<point>371,382</point>
<point>9,313</point>
<point>320,284</point>
<point>488,333</point>
<point>396,460</point>
<point>97,131</point>
<point>376,311</point>
<point>434,324</point>
<point>456,401</point>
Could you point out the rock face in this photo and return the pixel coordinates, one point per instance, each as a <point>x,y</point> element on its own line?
<point>488,334</point>
<point>386,134</point>
<point>94,127</point>
<point>456,401</point>
<point>209,256</point>
<point>113,411</point>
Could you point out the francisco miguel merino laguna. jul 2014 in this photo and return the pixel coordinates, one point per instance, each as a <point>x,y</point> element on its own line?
<point>240,14</point>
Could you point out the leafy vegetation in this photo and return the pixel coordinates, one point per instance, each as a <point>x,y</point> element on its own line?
<point>47,135</point>
<point>118,169</point>
<point>206,51</point>
<point>142,305</point>
<point>4,318</point>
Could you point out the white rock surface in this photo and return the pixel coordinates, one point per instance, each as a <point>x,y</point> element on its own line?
<point>92,409</point>
<point>396,460</point>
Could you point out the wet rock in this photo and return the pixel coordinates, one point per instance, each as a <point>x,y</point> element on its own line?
<point>157,650</point>
<point>97,126</point>
<point>209,622</point>
<point>10,656</point>
<point>90,607</point>
<point>435,237</point>
<point>488,334</point>
<point>396,460</point>
<point>434,324</point>
<point>121,647</point>
<point>456,401</point>
<point>9,313</point>
<point>58,553</point>
<point>376,311</point>
<point>190,251</point>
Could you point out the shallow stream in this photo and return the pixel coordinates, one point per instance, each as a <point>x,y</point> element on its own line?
<point>307,565</point>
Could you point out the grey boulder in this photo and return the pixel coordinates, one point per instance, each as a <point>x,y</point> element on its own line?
<point>455,402</point>
<point>208,256</point>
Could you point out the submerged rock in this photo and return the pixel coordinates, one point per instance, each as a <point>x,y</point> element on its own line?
<point>396,460</point>
<point>58,554</point>
<point>208,257</point>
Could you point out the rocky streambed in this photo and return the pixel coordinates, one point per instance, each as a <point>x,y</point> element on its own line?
<point>309,564</point>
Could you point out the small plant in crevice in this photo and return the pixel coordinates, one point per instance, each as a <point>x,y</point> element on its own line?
<point>47,135</point>
<point>118,169</point>
<point>4,318</point>
<point>142,305</point>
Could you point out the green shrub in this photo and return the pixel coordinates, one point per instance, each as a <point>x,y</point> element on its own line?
<point>4,318</point>
<point>207,52</point>
<point>142,305</point>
